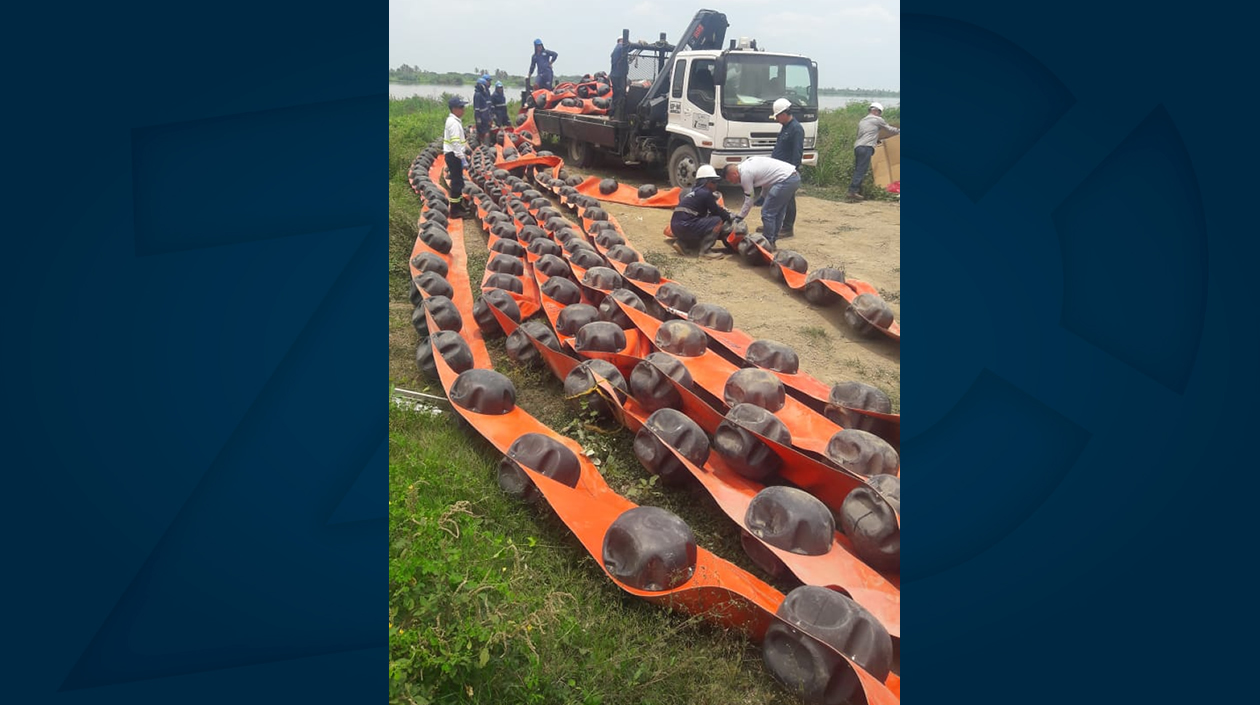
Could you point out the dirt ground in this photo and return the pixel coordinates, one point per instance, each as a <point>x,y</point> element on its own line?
<point>862,239</point>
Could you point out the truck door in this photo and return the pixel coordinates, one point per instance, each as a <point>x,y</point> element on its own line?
<point>692,99</point>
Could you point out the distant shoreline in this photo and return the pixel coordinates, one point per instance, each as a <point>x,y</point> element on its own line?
<point>470,79</point>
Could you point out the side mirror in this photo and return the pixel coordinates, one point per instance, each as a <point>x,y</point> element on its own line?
<point>719,71</point>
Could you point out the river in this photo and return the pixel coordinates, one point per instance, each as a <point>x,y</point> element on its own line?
<point>407,90</point>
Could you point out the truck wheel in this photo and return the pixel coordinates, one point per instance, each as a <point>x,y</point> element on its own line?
<point>683,163</point>
<point>581,154</point>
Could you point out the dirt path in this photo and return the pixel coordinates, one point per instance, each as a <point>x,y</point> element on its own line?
<point>862,239</point>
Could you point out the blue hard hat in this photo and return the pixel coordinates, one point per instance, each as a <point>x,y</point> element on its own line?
<point>498,84</point>
<point>538,41</point>
<point>483,81</point>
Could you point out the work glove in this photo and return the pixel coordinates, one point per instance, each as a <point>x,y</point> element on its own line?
<point>760,202</point>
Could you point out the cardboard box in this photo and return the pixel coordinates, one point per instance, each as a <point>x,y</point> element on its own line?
<point>886,162</point>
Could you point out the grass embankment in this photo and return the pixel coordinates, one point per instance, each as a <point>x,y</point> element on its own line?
<point>837,129</point>
<point>493,601</point>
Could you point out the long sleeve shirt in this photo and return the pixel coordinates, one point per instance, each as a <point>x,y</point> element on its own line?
<point>872,129</point>
<point>481,105</point>
<point>790,146</point>
<point>498,102</point>
<point>453,137</point>
<point>761,172</point>
<point>620,62</point>
<point>698,203</point>
<point>541,60</point>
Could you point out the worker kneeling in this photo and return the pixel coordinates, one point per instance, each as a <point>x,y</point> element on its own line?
<point>698,219</point>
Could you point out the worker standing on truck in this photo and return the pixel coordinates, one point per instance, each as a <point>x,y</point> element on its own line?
<point>790,148</point>
<point>542,60</point>
<point>482,110</point>
<point>453,146</point>
<point>617,77</point>
<point>779,178</point>
<point>499,102</point>
<point>698,219</point>
<point>871,129</point>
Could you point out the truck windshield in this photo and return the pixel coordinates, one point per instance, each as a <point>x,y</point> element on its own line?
<point>755,81</point>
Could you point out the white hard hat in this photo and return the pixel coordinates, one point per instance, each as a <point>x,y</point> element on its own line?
<point>705,172</point>
<point>877,106</point>
<point>779,106</point>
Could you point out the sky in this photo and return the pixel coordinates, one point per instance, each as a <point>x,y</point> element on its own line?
<point>857,43</point>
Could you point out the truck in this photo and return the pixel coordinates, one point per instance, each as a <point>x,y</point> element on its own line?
<point>692,103</point>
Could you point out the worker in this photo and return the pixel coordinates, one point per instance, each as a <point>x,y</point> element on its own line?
<point>483,112</point>
<point>499,102</point>
<point>543,59</point>
<point>790,148</point>
<point>779,178</point>
<point>617,77</point>
<point>871,129</point>
<point>453,147</point>
<point>698,219</point>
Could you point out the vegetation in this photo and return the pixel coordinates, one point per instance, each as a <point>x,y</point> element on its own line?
<point>837,129</point>
<point>865,92</point>
<point>495,601</point>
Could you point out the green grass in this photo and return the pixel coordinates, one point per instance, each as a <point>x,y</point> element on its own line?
<point>836,131</point>
<point>494,601</point>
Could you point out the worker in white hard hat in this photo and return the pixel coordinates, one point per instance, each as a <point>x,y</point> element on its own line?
<point>698,219</point>
<point>790,148</point>
<point>871,129</point>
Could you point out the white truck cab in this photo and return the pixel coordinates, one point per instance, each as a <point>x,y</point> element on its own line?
<point>720,101</point>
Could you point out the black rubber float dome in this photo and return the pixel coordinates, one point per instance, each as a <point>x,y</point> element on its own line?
<point>815,673</point>
<point>650,385</point>
<point>867,518</point>
<point>608,238</point>
<point>544,246</point>
<point>506,282</point>
<point>587,259</point>
<point>444,313</point>
<point>643,272</point>
<point>816,292</point>
<point>437,239</point>
<point>542,454</point>
<point>791,259</point>
<point>647,190</point>
<point>434,284</point>
<point>611,312</point>
<point>506,264</point>
<point>791,520</point>
<point>773,355</point>
<point>743,451</point>
<point>649,548</point>
<point>711,316</point>
<point>582,388</point>
<point>600,336</point>
<point>451,346</point>
<point>486,319</point>
<point>674,295</point>
<point>856,395</point>
<point>562,290</point>
<point>863,453</point>
<point>483,392</point>
<point>754,386</point>
<point>604,278</point>
<point>672,428</point>
<point>521,350</point>
<point>553,266</point>
<point>682,338</point>
<point>511,248</point>
<point>867,312</point>
<point>574,316</point>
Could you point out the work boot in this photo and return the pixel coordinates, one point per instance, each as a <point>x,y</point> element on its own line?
<point>785,233</point>
<point>673,243</point>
